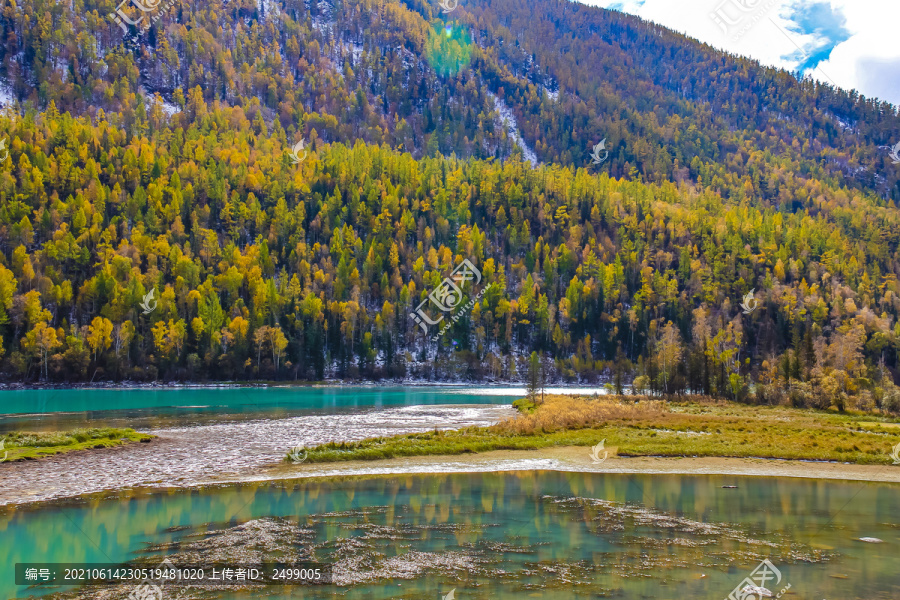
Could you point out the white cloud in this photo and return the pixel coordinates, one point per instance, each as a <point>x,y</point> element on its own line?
<point>850,43</point>
<point>870,60</point>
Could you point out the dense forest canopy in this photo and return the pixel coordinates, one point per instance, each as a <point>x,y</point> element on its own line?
<point>159,164</point>
<point>387,72</point>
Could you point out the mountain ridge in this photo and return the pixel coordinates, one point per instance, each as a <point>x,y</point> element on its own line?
<point>622,79</point>
<point>272,266</point>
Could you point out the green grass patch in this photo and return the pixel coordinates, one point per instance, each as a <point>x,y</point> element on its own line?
<point>25,445</point>
<point>525,405</point>
<point>683,429</point>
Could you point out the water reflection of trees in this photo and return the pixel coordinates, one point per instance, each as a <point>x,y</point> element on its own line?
<point>518,532</point>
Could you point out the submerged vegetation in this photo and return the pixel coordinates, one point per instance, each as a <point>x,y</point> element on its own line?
<point>698,427</point>
<point>24,445</point>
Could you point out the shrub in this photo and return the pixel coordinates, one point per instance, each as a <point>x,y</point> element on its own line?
<point>803,395</point>
<point>769,394</point>
<point>864,401</point>
<point>640,385</point>
<point>890,397</point>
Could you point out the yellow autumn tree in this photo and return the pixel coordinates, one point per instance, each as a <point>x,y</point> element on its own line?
<point>99,336</point>
<point>39,343</point>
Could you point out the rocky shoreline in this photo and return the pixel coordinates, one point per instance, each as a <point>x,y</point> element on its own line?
<point>235,448</point>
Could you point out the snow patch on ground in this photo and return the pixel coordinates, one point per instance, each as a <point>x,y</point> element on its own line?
<point>508,121</point>
<point>326,7</point>
<point>350,48</point>
<point>7,97</point>
<point>264,6</point>
<point>150,99</point>
<point>169,108</point>
<point>843,124</point>
<point>324,21</point>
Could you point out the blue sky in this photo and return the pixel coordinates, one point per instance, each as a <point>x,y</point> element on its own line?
<point>850,43</point>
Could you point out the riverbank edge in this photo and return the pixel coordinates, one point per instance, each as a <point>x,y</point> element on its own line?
<point>561,459</point>
<point>578,459</point>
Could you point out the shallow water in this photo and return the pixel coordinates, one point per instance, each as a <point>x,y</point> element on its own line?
<point>205,446</point>
<point>495,535</point>
<point>220,432</point>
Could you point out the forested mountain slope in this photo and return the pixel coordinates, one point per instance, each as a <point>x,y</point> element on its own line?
<point>161,161</point>
<point>395,73</point>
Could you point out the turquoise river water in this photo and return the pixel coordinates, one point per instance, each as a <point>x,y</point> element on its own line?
<point>522,534</point>
<point>495,535</point>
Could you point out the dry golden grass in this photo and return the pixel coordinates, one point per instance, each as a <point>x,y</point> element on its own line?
<point>694,426</point>
<point>557,413</point>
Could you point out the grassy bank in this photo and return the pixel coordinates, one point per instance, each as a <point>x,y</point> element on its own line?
<point>651,428</point>
<point>23,445</point>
